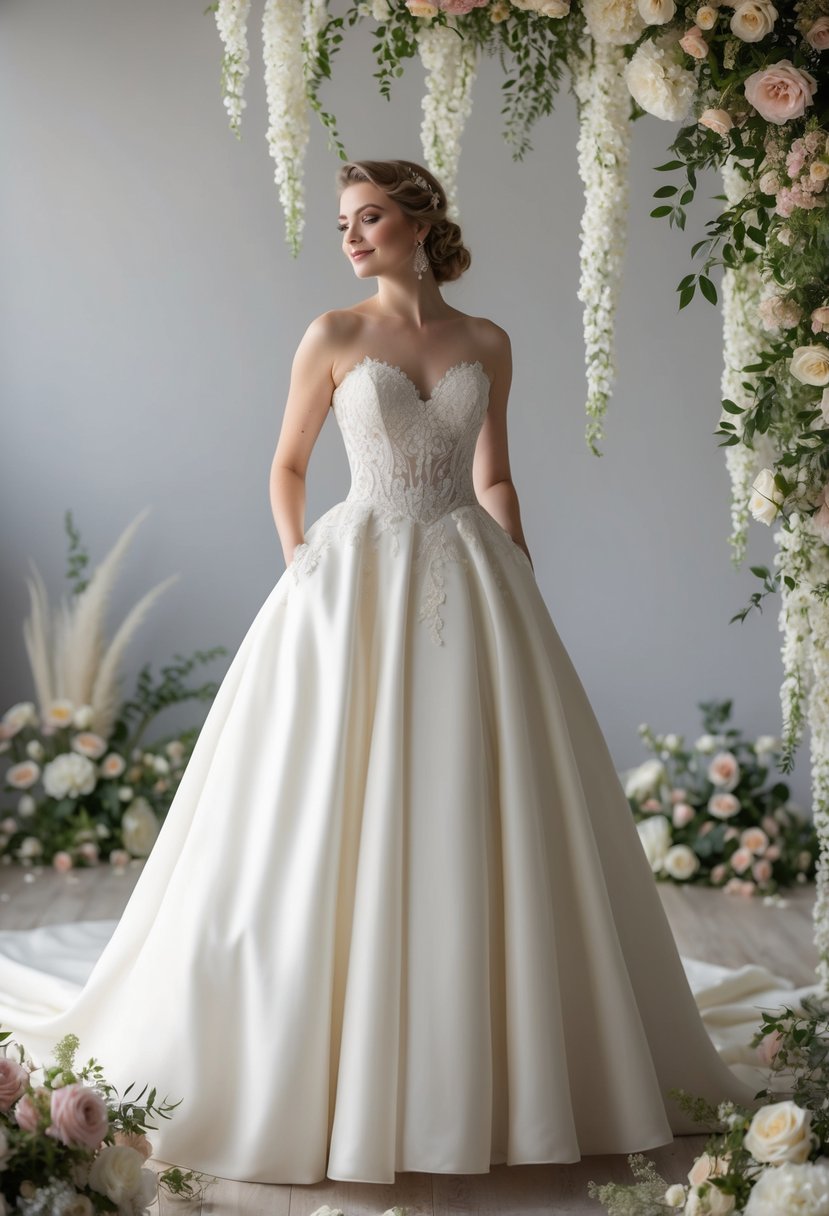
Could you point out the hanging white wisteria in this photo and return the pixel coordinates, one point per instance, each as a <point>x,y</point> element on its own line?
<point>232,22</point>
<point>450,62</point>
<point>288,130</point>
<point>603,158</point>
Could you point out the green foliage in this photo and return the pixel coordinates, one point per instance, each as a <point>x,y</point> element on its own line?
<point>645,1197</point>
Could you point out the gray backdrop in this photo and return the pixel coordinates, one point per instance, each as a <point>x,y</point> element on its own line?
<point>151,308</point>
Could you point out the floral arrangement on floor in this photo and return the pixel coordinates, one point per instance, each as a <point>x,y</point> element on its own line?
<point>773,1161</point>
<point>706,813</point>
<point>69,1146</point>
<point>79,783</point>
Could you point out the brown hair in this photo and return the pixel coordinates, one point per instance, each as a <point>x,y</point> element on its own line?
<point>448,255</point>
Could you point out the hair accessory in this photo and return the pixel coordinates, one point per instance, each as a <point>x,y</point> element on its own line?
<point>424,185</point>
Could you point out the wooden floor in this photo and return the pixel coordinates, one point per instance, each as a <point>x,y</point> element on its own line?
<point>707,925</point>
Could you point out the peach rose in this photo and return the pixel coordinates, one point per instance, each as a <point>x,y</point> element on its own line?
<point>137,1141</point>
<point>693,43</point>
<point>87,743</point>
<point>718,873</point>
<point>817,35</point>
<point>762,870</point>
<point>780,92</point>
<point>62,862</point>
<point>754,839</point>
<point>741,860</point>
<point>706,1167</point>
<point>23,775</point>
<point>739,886</point>
<point>724,770</point>
<point>717,120</point>
<point>14,1080</point>
<point>421,8</point>
<point>79,1116</point>
<point>769,1046</point>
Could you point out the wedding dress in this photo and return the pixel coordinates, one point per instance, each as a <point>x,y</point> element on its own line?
<point>398,916</point>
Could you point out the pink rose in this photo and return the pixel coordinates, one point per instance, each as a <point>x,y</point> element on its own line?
<point>754,839</point>
<point>707,827</point>
<point>651,804</point>
<point>736,886</point>
<point>817,35</point>
<point>820,320</point>
<point>79,1116</point>
<point>724,770</point>
<point>769,1046</point>
<point>718,873</point>
<point>761,870</point>
<point>741,860</point>
<point>717,120</point>
<point>683,814</point>
<point>678,795</point>
<point>780,92</point>
<point>14,1080</point>
<point>773,852</point>
<point>693,43</point>
<point>62,862</point>
<point>137,1141</point>
<point>723,806</point>
<point>26,1112</point>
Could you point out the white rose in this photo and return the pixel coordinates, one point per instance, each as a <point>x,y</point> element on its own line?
<point>656,12</point>
<point>83,717</point>
<point>139,827</point>
<point>706,743</point>
<point>753,20</point>
<point>791,1188</point>
<point>19,715</point>
<point>655,834</point>
<point>680,862</point>
<point>780,1132</point>
<point>706,17</point>
<point>810,364</point>
<point>675,1195</point>
<point>26,806</point>
<point>614,21</point>
<point>118,1173</point>
<point>69,775</point>
<point>710,1201</point>
<point>766,743</point>
<point>645,779</point>
<point>657,82</point>
<point>35,750</point>
<point>765,502</point>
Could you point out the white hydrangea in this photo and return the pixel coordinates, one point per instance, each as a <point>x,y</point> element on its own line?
<point>798,1189</point>
<point>69,775</point>
<point>615,21</point>
<point>658,82</point>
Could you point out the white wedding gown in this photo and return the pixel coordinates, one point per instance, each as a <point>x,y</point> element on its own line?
<point>398,916</point>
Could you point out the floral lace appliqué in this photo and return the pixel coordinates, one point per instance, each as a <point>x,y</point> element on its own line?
<point>410,460</point>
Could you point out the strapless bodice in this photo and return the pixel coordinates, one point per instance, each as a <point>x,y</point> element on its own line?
<point>407,454</point>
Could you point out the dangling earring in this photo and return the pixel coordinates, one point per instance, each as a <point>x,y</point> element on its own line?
<point>421,260</point>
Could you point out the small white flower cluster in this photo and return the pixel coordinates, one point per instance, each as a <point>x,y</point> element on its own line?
<point>603,159</point>
<point>231,21</point>
<point>450,63</point>
<point>288,124</point>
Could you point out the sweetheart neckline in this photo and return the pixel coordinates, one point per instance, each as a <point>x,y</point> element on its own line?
<point>393,366</point>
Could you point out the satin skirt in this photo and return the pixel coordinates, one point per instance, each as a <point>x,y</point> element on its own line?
<point>398,916</point>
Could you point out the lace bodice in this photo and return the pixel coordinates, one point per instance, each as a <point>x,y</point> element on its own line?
<point>411,461</point>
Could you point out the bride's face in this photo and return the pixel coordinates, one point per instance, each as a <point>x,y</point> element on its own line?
<point>370,220</point>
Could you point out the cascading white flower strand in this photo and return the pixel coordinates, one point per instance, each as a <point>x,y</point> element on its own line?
<point>451,63</point>
<point>744,338</point>
<point>232,22</point>
<point>283,28</point>
<point>804,623</point>
<point>603,157</point>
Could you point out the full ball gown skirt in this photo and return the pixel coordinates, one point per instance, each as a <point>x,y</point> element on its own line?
<point>398,916</point>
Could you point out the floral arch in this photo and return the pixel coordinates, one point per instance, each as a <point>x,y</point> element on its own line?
<point>747,81</point>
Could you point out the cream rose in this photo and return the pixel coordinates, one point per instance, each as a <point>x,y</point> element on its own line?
<point>118,1173</point>
<point>421,8</point>
<point>655,834</point>
<point>753,20</point>
<point>754,839</point>
<point>59,713</point>
<point>719,121</point>
<point>139,827</point>
<point>810,364</point>
<point>767,498</point>
<point>706,17</point>
<point>680,862</point>
<point>23,775</point>
<point>19,715</point>
<point>780,92</point>
<point>779,1132</point>
<point>818,34</point>
<point>87,743</point>
<point>644,780</point>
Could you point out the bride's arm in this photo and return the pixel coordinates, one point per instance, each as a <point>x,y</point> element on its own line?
<point>309,399</point>
<point>491,474</point>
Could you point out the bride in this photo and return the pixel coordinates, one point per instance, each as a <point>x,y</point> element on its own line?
<point>398,916</point>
